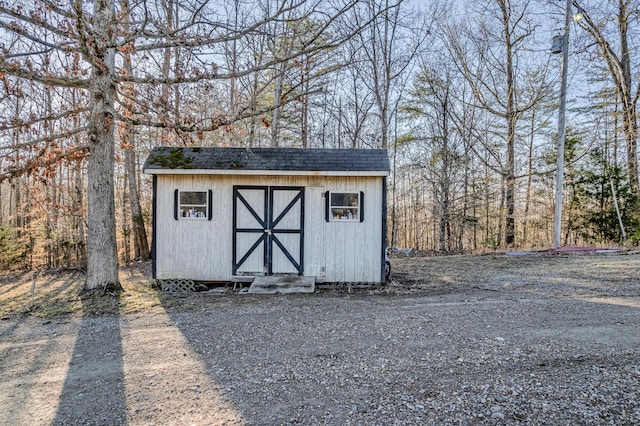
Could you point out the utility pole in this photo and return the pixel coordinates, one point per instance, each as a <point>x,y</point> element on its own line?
<point>557,224</point>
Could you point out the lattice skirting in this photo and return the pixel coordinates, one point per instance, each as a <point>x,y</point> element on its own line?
<point>176,285</point>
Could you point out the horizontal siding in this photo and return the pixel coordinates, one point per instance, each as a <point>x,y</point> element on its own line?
<point>333,251</point>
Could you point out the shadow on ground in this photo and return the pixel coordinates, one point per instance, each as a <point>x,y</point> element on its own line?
<point>93,390</point>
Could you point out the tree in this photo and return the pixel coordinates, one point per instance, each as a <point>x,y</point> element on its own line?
<point>430,103</point>
<point>389,54</point>
<point>486,55</point>
<point>610,27</point>
<point>128,143</point>
<point>606,201</point>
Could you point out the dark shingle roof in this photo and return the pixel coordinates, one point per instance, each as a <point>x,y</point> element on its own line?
<point>268,159</point>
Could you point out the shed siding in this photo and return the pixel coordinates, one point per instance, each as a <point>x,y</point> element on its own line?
<point>195,249</point>
<point>353,248</point>
<point>333,251</point>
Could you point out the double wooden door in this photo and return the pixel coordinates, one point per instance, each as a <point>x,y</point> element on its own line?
<point>268,230</point>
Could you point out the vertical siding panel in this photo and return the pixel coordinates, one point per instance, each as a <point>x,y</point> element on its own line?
<point>357,238</point>
<point>220,231</point>
<point>314,240</point>
<point>373,212</point>
<point>360,236</point>
<point>348,251</point>
<point>331,245</point>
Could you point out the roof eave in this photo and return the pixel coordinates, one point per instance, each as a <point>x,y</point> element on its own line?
<point>153,171</point>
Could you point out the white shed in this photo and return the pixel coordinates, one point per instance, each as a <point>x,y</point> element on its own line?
<point>229,214</point>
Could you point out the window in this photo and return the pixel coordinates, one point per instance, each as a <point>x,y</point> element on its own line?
<point>345,206</point>
<point>193,205</point>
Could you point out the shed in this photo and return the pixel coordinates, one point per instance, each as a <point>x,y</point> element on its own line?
<point>230,214</point>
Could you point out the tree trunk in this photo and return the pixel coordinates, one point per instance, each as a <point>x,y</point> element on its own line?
<point>394,197</point>
<point>487,206</point>
<point>141,244</point>
<point>78,220</point>
<point>631,136</point>
<point>165,135</point>
<point>445,183</point>
<point>304,102</point>
<point>619,66</point>
<point>630,122</point>
<point>442,221</point>
<point>77,203</point>
<point>102,257</point>
<point>275,117</point>
<point>501,210</point>
<point>253,121</point>
<point>527,202</point>
<point>511,130</point>
<point>126,230</point>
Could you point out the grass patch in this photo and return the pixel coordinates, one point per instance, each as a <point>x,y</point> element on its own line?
<point>51,294</point>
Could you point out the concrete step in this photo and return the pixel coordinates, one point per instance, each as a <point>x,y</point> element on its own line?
<point>282,284</point>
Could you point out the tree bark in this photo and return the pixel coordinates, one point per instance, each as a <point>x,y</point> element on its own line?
<point>102,257</point>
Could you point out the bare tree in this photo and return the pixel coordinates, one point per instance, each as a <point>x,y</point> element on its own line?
<point>390,50</point>
<point>128,144</point>
<point>430,106</point>
<point>612,27</point>
<point>486,55</point>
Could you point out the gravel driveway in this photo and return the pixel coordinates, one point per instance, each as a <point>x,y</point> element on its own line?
<point>467,340</point>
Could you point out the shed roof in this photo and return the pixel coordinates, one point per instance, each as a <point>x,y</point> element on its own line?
<point>270,161</point>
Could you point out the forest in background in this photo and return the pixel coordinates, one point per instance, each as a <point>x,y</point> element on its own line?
<point>462,94</point>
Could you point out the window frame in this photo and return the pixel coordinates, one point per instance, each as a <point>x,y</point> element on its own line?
<point>179,206</point>
<point>357,215</point>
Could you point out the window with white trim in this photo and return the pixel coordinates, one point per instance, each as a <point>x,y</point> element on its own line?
<point>344,206</point>
<point>193,205</point>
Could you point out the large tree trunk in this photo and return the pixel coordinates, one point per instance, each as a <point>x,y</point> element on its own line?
<point>102,260</point>
<point>102,267</point>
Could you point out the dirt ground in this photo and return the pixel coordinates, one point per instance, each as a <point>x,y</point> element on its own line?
<point>494,339</point>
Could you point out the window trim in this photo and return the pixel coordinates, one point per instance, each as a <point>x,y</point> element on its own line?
<point>358,215</point>
<point>177,205</point>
